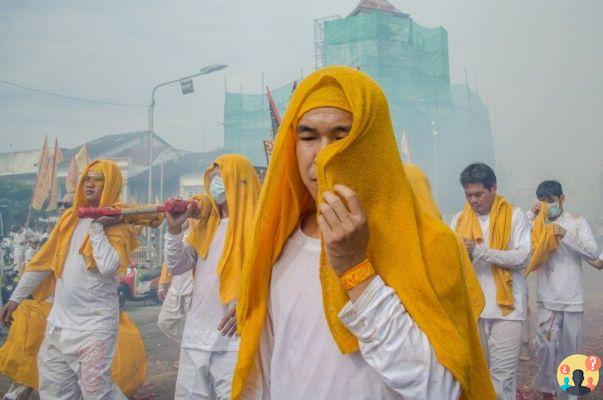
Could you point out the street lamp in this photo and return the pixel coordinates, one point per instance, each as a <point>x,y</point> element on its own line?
<point>435,159</point>
<point>186,85</point>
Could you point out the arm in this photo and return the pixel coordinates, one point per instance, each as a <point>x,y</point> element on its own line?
<point>582,240</point>
<point>105,256</point>
<point>179,257</point>
<point>519,246</point>
<point>394,346</point>
<point>27,284</point>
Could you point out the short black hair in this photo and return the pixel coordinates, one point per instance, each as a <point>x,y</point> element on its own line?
<point>548,189</point>
<point>478,173</point>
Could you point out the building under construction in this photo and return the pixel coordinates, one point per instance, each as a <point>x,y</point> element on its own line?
<point>447,125</point>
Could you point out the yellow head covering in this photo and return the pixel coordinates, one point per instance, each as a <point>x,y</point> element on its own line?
<point>242,190</point>
<point>544,240</point>
<point>415,254</point>
<point>422,189</point>
<point>122,236</point>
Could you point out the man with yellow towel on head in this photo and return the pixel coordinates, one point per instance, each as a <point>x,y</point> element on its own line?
<point>497,237</point>
<point>215,248</point>
<point>82,257</point>
<point>349,290</point>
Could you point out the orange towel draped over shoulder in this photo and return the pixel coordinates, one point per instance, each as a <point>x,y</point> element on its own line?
<point>500,234</point>
<point>242,187</point>
<point>544,240</point>
<point>415,254</point>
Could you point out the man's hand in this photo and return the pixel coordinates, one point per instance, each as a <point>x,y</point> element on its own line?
<point>345,230</point>
<point>162,291</point>
<point>228,325</point>
<point>175,221</point>
<point>469,245</point>
<point>108,221</point>
<point>559,231</point>
<point>536,208</point>
<point>6,314</point>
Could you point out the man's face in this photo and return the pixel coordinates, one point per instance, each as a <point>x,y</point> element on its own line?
<point>317,129</point>
<point>94,184</point>
<point>479,198</point>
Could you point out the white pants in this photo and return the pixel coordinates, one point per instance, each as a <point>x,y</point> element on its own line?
<point>559,335</point>
<point>205,374</point>
<point>77,365</point>
<point>172,316</point>
<point>501,341</point>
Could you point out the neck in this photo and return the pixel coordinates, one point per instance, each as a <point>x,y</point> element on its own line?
<point>309,226</point>
<point>223,209</point>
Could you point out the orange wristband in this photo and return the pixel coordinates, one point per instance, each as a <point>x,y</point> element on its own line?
<point>356,275</point>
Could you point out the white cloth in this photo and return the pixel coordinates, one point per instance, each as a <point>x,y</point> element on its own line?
<point>206,312</point>
<point>298,358</point>
<point>182,284</point>
<point>204,375</point>
<point>173,313</point>
<point>501,341</point>
<point>18,241</point>
<point>87,300</point>
<point>27,284</point>
<point>515,259</point>
<point>560,278</point>
<point>559,335</point>
<point>77,365</point>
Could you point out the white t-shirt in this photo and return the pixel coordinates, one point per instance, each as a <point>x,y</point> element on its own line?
<point>515,258</point>
<point>201,327</point>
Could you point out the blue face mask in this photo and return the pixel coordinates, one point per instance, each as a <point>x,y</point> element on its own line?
<point>554,210</point>
<point>217,190</point>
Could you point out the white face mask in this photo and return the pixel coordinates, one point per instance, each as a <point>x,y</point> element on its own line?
<point>554,210</point>
<point>217,190</point>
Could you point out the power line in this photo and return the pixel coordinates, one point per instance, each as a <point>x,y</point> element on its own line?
<point>80,99</point>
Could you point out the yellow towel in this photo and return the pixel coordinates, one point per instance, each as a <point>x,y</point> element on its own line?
<point>19,353</point>
<point>500,233</point>
<point>422,189</point>
<point>544,240</point>
<point>51,256</point>
<point>242,190</point>
<point>415,254</point>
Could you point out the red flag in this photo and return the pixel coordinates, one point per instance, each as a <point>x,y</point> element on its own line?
<point>57,158</point>
<point>275,118</point>
<point>43,178</point>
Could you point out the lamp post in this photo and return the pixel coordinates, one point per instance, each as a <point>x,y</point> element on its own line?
<point>435,159</point>
<point>186,85</point>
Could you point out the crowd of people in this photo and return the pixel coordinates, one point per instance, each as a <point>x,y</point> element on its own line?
<point>335,278</point>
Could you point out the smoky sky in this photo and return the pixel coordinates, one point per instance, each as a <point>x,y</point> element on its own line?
<point>538,64</point>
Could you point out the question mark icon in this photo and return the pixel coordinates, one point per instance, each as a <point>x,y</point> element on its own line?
<point>593,363</point>
<point>564,369</point>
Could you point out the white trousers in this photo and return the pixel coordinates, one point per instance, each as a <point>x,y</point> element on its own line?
<point>172,316</point>
<point>501,341</point>
<point>559,335</point>
<point>76,365</point>
<point>205,374</point>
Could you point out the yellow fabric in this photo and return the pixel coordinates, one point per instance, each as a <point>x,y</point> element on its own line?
<point>544,240</point>
<point>415,254</point>
<point>500,233</point>
<point>51,257</point>
<point>422,189</point>
<point>242,187</point>
<point>18,354</point>
<point>165,278</point>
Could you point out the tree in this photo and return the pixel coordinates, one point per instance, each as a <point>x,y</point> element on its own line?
<point>14,202</point>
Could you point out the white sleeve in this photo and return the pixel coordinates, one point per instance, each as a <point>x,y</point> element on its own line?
<point>582,240</point>
<point>105,256</point>
<point>27,284</point>
<point>179,256</point>
<point>520,244</point>
<point>394,346</point>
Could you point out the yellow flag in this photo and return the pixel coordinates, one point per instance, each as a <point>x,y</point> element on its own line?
<point>43,178</point>
<point>405,149</point>
<point>57,158</point>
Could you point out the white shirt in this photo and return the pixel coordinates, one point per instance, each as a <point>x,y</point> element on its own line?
<point>515,258</point>
<point>560,279</point>
<point>83,300</point>
<point>182,285</point>
<point>206,312</point>
<point>300,360</point>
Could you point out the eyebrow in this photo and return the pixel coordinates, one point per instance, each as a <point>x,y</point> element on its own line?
<point>305,128</point>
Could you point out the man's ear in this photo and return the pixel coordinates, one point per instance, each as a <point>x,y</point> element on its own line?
<point>493,189</point>
<point>562,198</point>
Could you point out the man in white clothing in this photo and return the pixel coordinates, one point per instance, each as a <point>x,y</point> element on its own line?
<point>214,247</point>
<point>83,257</point>
<point>500,323</point>
<point>560,288</point>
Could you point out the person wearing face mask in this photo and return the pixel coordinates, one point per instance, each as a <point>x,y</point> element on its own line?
<point>560,242</point>
<point>215,249</point>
